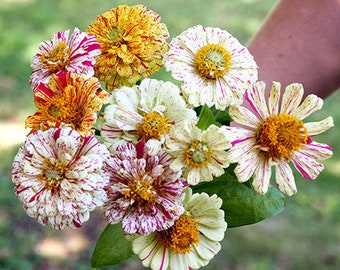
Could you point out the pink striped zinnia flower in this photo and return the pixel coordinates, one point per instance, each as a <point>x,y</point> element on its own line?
<point>275,135</point>
<point>58,177</point>
<point>74,54</point>
<point>143,193</point>
<point>191,242</point>
<point>215,69</point>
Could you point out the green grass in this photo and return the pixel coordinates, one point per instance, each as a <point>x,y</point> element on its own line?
<point>305,236</point>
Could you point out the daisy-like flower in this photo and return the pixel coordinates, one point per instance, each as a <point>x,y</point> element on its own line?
<point>144,112</point>
<point>215,69</point>
<point>67,100</point>
<point>200,153</point>
<point>58,177</point>
<point>132,42</point>
<point>74,54</point>
<point>274,136</point>
<point>191,242</point>
<point>143,193</point>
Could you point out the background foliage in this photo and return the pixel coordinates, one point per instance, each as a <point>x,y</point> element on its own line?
<point>305,236</point>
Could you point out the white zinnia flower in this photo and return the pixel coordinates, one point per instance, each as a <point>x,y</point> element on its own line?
<point>275,135</point>
<point>215,69</point>
<point>144,112</point>
<point>58,177</point>
<point>191,242</point>
<point>201,154</point>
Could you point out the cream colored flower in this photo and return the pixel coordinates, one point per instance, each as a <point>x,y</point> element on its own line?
<point>144,112</point>
<point>191,242</point>
<point>200,154</point>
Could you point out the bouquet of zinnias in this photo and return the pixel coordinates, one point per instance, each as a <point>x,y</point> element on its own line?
<point>160,159</point>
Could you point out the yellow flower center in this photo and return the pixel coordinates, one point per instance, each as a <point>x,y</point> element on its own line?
<point>281,135</point>
<point>212,61</point>
<point>181,236</point>
<point>52,174</point>
<point>153,126</point>
<point>141,191</point>
<point>58,59</point>
<point>197,154</point>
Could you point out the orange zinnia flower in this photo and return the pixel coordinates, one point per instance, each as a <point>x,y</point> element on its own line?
<point>67,100</point>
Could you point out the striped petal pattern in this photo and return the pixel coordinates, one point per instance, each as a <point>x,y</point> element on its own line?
<point>225,90</point>
<point>209,218</point>
<point>143,193</point>
<point>255,160</point>
<point>75,53</point>
<point>58,177</point>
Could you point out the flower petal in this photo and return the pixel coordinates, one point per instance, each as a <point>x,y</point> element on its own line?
<point>285,179</point>
<point>243,116</point>
<point>262,176</point>
<point>291,98</point>
<point>316,128</point>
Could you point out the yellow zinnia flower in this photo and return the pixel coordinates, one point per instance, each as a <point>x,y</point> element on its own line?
<point>132,42</point>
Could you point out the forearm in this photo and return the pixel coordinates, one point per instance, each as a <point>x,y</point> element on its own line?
<point>300,42</point>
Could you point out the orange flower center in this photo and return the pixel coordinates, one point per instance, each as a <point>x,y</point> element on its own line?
<point>59,109</point>
<point>181,236</point>
<point>197,154</point>
<point>58,59</point>
<point>212,61</point>
<point>153,126</point>
<point>281,135</point>
<point>52,174</point>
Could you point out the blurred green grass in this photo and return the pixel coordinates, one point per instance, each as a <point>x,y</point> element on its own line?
<point>305,236</point>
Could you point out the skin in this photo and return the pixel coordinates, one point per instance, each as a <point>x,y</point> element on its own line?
<point>300,42</point>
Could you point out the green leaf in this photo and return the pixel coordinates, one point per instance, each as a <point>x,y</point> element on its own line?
<point>223,117</point>
<point>206,118</point>
<point>111,248</point>
<point>241,204</point>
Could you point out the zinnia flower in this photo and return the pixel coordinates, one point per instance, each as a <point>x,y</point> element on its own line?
<point>215,69</point>
<point>132,42</point>
<point>144,112</point>
<point>191,242</point>
<point>58,177</point>
<point>200,153</point>
<point>75,54</point>
<point>143,193</point>
<point>67,100</point>
<point>275,135</point>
